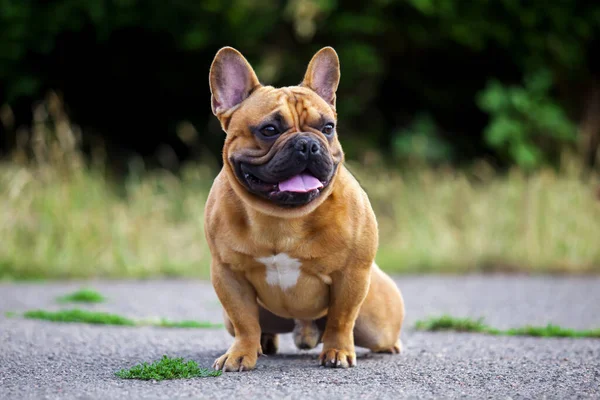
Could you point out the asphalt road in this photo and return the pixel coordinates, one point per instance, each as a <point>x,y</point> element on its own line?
<point>46,360</point>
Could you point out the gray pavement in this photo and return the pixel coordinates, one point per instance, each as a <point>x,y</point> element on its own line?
<point>45,360</point>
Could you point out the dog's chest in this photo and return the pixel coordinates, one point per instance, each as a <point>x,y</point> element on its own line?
<point>283,271</point>
<point>289,286</point>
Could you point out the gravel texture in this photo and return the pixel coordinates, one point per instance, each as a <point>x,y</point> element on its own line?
<point>46,360</point>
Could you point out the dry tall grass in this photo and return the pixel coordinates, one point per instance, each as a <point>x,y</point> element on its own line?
<point>60,218</point>
<point>455,222</point>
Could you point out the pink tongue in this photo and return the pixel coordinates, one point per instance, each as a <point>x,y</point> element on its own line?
<point>300,183</point>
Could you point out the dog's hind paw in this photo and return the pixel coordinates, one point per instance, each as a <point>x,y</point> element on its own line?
<point>306,335</point>
<point>395,349</point>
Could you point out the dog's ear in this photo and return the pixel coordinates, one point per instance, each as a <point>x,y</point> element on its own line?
<point>231,79</point>
<point>323,74</point>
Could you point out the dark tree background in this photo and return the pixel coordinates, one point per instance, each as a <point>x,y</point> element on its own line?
<point>425,80</point>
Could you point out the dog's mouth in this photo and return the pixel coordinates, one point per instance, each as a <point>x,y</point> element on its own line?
<point>295,190</point>
<point>296,173</point>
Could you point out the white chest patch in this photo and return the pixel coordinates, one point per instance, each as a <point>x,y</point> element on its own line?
<point>282,270</point>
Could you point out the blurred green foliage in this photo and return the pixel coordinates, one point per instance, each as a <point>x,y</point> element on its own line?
<point>527,124</point>
<point>420,143</point>
<point>397,64</point>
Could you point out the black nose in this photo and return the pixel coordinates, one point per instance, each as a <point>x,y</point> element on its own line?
<point>306,146</point>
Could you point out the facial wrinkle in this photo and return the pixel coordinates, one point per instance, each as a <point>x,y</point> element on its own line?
<point>302,110</point>
<point>291,103</point>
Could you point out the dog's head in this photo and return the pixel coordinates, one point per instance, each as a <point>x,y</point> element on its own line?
<point>281,152</point>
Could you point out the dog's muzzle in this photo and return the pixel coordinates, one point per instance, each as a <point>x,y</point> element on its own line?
<point>295,175</point>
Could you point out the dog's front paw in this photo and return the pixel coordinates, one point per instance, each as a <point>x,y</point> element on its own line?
<point>337,358</point>
<point>237,359</point>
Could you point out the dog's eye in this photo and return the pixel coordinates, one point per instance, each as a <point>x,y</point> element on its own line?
<point>269,130</point>
<point>328,129</point>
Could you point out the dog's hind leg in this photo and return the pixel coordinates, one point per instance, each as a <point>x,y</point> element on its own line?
<point>381,316</point>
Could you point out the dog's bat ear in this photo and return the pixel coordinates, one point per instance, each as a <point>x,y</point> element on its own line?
<point>231,79</point>
<point>323,74</point>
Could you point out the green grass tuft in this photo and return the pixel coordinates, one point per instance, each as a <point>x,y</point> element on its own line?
<point>449,323</point>
<point>167,368</point>
<point>188,324</point>
<point>103,318</point>
<point>10,314</point>
<point>77,315</point>
<point>552,331</point>
<point>82,296</point>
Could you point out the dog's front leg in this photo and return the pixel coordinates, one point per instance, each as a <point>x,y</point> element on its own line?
<point>347,293</point>
<point>238,298</point>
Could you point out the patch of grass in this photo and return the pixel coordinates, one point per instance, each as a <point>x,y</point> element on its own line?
<point>188,324</point>
<point>551,330</point>
<point>82,296</point>
<point>449,323</point>
<point>103,318</point>
<point>10,314</point>
<point>77,315</point>
<point>167,368</point>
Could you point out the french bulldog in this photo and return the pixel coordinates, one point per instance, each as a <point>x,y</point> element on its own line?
<point>291,232</point>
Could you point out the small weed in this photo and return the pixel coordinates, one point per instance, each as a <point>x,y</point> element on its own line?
<point>76,315</point>
<point>82,296</point>
<point>167,368</point>
<point>10,314</point>
<point>448,323</point>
